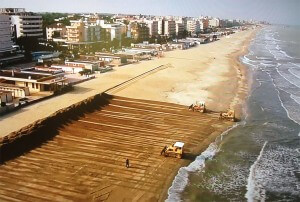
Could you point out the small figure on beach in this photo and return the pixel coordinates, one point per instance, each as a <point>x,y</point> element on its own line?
<point>163,150</point>
<point>127,163</point>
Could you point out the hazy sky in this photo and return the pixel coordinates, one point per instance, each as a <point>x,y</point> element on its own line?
<point>275,11</point>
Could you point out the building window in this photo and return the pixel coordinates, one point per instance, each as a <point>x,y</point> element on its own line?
<point>26,84</point>
<point>37,86</point>
<point>32,85</point>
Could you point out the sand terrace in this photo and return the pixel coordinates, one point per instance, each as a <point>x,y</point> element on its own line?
<point>86,159</point>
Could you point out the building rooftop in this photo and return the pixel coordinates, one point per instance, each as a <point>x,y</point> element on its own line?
<point>12,86</point>
<point>17,74</point>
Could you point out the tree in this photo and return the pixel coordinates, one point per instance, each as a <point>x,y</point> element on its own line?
<point>116,43</point>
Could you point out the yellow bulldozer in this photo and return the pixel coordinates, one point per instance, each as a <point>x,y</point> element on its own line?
<point>198,107</point>
<point>229,115</point>
<point>174,150</point>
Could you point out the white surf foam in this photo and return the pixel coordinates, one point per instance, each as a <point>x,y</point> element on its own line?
<point>255,191</point>
<point>181,179</point>
<point>286,110</point>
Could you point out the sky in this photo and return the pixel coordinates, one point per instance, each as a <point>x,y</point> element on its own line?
<point>274,11</point>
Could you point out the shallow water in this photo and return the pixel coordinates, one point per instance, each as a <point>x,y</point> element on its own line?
<point>259,159</point>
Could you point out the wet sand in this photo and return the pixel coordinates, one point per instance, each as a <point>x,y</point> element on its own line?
<point>208,72</point>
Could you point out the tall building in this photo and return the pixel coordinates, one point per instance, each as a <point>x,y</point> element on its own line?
<point>56,30</point>
<point>5,36</point>
<point>214,22</point>
<point>179,28</point>
<point>169,28</point>
<point>79,32</point>
<point>25,24</point>
<point>115,29</point>
<point>194,26</point>
<point>153,27</point>
<point>139,31</point>
<point>160,26</point>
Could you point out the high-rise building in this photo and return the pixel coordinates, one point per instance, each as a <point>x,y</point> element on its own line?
<point>214,22</point>
<point>25,24</point>
<point>56,30</point>
<point>78,31</point>
<point>5,36</point>
<point>194,26</point>
<point>115,29</point>
<point>179,28</point>
<point>139,31</point>
<point>169,28</point>
<point>153,27</point>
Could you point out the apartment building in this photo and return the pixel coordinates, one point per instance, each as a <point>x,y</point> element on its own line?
<point>81,35</point>
<point>194,26</point>
<point>214,22</point>
<point>160,26</point>
<point>153,27</point>
<point>169,28</point>
<point>79,32</point>
<point>205,22</point>
<point>139,31</point>
<point>179,28</point>
<point>25,24</point>
<point>56,30</point>
<point>5,36</point>
<point>115,29</point>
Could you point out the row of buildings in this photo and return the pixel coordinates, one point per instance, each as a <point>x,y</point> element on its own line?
<point>92,28</point>
<point>137,28</point>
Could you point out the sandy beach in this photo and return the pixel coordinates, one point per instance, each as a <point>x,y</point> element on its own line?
<point>210,73</point>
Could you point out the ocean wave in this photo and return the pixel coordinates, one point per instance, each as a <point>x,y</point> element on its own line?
<point>285,108</point>
<point>255,190</point>
<point>293,72</point>
<point>181,179</point>
<point>296,98</point>
<point>247,61</point>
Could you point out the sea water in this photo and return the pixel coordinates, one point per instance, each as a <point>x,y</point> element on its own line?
<point>259,158</point>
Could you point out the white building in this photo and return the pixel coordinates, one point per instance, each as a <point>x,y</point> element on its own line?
<point>194,26</point>
<point>215,22</point>
<point>160,26</point>
<point>115,29</point>
<point>57,28</point>
<point>25,24</point>
<point>153,27</point>
<point>5,35</point>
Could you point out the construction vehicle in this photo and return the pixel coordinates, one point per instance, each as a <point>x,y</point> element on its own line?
<point>174,150</point>
<point>198,107</point>
<point>229,115</point>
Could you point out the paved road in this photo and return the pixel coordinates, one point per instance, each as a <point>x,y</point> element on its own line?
<point>27,115</point>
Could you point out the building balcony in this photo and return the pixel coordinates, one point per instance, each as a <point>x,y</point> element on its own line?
<point>32,30</point>
<point>32,21</point>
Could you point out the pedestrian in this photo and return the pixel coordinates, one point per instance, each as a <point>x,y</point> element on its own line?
<point>163,150</point>
<point>127,163</point>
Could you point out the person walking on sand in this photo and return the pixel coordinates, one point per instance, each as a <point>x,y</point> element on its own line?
<point>127,163</point>
<point>163,150</point>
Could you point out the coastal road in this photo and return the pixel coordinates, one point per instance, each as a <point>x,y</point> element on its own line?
<point>16,120</point>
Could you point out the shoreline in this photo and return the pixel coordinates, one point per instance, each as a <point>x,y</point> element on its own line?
<point>241,94</point>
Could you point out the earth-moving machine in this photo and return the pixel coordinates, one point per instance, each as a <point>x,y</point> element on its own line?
<point>198,107</point>
<point>229,115</point>
<point>174,150</point>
